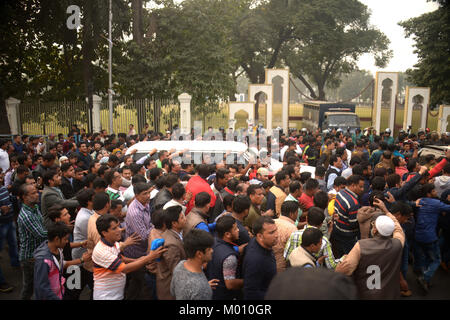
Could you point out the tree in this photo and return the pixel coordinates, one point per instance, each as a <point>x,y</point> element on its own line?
<point>431,32</point>
<point>258,31</point>
<point>328,39</point>
<point>187,52</point>
<point>352,84</point>
<point>16,46</point>
<point>42,59</point>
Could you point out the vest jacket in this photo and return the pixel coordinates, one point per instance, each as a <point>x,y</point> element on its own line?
<point>222,250</point>
<point>330,171</point>
<point>280,195</point>
<point>300,258</point>
<point>192,220</point>
<point>378,273</point>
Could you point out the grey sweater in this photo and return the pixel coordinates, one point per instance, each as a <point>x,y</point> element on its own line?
<point>187,285</point>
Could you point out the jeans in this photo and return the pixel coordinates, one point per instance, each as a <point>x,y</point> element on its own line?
<point>8,232</point>
<point>404,262</point>
<point>430,255</point>
<point>419,262</point>
<point>445,245</point>
<point>2,278</point>
<point>28,278</point>
<point>150,279</point>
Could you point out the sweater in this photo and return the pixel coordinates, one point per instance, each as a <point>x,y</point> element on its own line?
<point>346,206</point>
<point>259,268</point>
<point>187,285</point>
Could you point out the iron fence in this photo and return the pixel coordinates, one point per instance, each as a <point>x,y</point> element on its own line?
<point>139,112</point>
<point>43,118</point>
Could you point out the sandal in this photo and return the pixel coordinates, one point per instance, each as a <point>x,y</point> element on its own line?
<point>406,293</point>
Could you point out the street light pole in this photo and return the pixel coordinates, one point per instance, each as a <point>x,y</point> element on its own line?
<point>110,71</point>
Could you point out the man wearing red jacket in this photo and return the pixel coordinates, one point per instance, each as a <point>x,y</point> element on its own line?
<point>198,184</point>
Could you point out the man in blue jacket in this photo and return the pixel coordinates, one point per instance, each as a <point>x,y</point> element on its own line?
<point>426,239</point>
<point>49,263</point>
<point>399,193</point>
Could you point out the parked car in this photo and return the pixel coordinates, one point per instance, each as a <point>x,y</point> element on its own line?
<point>437,151</point>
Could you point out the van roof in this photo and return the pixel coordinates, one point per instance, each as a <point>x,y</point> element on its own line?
<point>193,146</point>
<point>338,113</point>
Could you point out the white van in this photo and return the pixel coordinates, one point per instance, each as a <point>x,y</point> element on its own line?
<point>238,151</point>
<point>196,148</point>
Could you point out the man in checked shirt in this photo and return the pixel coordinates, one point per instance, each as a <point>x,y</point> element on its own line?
<point>314,220</point>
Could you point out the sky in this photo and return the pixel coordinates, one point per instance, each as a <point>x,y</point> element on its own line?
<point>385,16</point>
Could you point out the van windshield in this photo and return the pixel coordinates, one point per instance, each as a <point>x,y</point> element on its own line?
<point>343,120</point>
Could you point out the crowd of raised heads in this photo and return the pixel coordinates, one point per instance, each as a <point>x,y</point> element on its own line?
<point>313,215</point>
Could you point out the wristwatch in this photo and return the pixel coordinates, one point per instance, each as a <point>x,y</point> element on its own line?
<point>81,260</point>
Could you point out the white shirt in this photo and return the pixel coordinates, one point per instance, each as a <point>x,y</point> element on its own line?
<point>298,150</point>
<point>80,231</point>
<point>331,178</point>
<point>349,155</point>
<point>153,193</point>
<point>4,160</point>
<point>128,194</point>
<point>8,178</point>
<point>173,203</point>
<point>347,173</point>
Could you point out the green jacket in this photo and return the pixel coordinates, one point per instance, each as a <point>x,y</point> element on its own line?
<point>253,214</point>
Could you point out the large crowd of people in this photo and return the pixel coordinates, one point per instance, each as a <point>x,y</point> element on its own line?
<point>159,227</point>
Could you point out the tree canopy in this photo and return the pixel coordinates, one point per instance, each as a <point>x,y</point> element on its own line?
<point>431,32</point>
<point>162,48</point>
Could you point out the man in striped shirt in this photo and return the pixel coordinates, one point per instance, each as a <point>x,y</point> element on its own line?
<point>314,220</point>
<point>110,267</point>
<point>31,234</point>
<point>138,221</point>
<point>345,232</point>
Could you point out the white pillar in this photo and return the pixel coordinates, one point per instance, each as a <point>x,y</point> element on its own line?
<point>12,109</point>
<point>185,113</point>
<point>234,107</point>
<point>411,92</point>
<point>96,103</point>
<point>376,120</point>
<point>284,74</point>
<point>285,112</point>
<point>444,112</point>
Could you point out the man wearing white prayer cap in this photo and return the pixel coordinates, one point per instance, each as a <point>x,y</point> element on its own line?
<point>374,263</point>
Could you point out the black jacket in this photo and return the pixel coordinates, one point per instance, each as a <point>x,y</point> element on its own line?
<point>161,199</point>
<point>67,188</point>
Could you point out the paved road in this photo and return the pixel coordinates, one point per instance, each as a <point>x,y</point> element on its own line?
<point>440,284</point>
